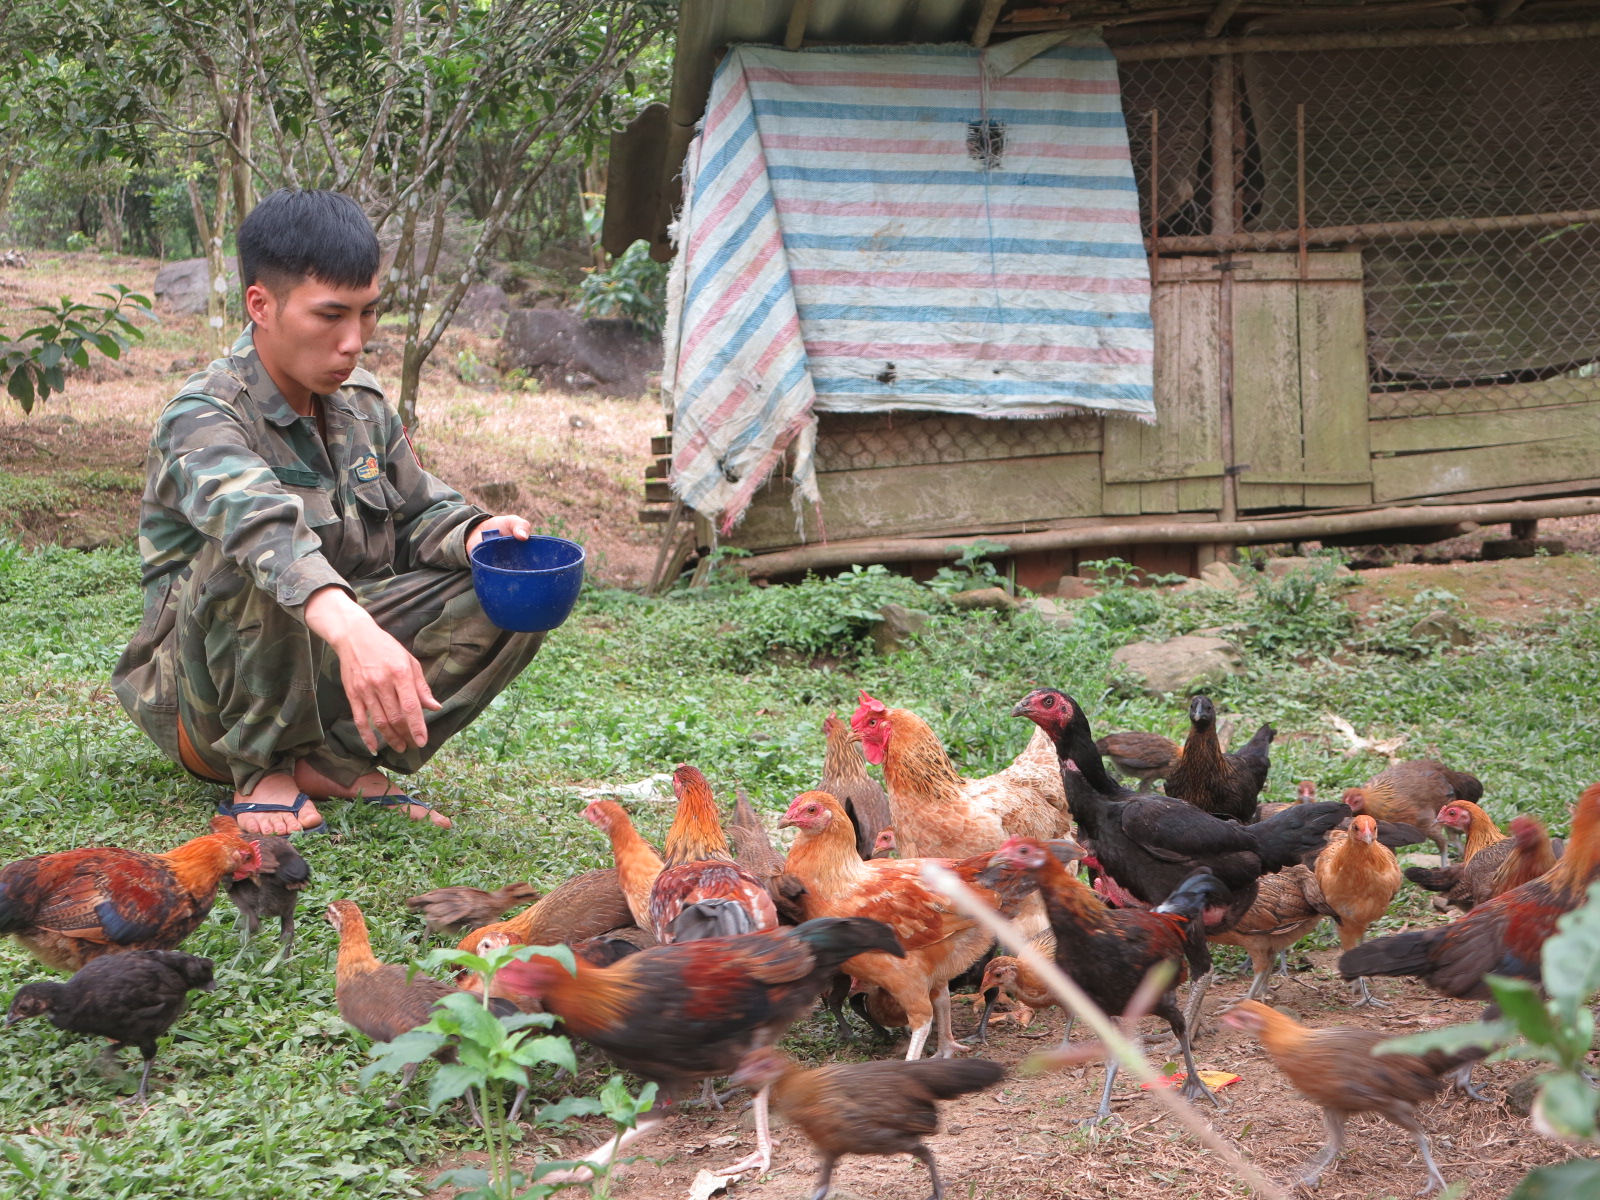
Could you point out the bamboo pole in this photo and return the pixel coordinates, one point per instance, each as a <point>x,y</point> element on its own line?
<point>984,30</point>
<point>795,32</point>
<point>1076,1001</point>
<point>1268,530</point>
<point>1376,231</point>
<point>1292,43</point>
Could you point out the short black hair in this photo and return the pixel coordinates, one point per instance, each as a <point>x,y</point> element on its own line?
<point>294,234</point>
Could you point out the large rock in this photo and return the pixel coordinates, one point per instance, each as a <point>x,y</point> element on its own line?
<point>183,287</point>
<point>995,598</point>
<point>568,353</point>
<point>896,625</point>
<point>484,309</point>
<point>1182,665</point>
<point>1051,612</point>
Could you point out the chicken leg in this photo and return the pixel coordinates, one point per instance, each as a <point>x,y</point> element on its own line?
<point>761,1159</point>
<point>919,1039</point>
<point>1367,999</point>
<point>1311,1171</point>
<point>1197,997</point>
<point>1406,1117</point>
<point>921,1151</point>
<point>948,1046</point>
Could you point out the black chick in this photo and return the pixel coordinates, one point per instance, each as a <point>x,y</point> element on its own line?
<point>273,890</point>
<point>131,998</point>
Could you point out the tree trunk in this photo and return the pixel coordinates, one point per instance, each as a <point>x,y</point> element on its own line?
<point>10,172</point>
<point>211,237</point>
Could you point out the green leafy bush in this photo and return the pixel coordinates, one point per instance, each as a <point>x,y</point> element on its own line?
<point>1299,614</point>
<point>34,362</point>
<point>817,616</point>
<point>635,287</point>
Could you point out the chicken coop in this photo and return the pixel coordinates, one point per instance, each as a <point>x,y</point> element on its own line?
<point>1363,240</point>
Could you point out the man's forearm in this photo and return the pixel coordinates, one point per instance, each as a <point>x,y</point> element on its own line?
<point>334,617</point>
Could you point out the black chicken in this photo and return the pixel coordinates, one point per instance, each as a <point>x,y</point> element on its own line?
<point>272,890</point>
<point>131,998</point>
<point>1224,785</point>
<point>1149,845</point>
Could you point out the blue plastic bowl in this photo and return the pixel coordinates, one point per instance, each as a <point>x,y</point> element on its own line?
<point>527,586</point>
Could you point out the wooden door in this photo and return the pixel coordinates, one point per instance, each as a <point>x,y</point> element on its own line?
<point>1299,394</point>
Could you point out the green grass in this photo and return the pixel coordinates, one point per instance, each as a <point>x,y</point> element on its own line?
<point>256,1093</point>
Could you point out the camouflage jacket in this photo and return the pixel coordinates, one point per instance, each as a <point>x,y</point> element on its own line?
<point>231,462</point>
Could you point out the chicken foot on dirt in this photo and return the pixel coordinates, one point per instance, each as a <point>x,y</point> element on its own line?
<point>585,1172</point>
<point>1333,1121</point>
<point>760,1160</point>
<point>1366,998</point>
<point>949,1047</point>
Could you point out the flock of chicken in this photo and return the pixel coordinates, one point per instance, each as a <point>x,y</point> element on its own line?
<point>692,963</point>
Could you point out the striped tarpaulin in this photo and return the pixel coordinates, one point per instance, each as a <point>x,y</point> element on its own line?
<point>868,230</point>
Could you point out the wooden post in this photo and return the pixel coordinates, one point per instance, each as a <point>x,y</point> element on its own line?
<point>1155,198</point>
<point>796,31</point>
<point>1222,224</point>
<point>982,32</point>
<point>1300,184</point>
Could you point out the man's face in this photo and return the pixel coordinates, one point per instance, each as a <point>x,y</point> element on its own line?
<point>312,337</point>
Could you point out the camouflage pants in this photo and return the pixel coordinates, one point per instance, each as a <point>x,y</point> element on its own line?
<point>232,687</point>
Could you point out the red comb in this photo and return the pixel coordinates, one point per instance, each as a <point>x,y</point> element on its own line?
<point>867,705</point>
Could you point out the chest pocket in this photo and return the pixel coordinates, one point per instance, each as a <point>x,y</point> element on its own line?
<point>369,543</point>
<point>316,504</point>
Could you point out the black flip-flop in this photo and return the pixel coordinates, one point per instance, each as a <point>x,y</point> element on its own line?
<point>396,799</point>
<point>227,809</point>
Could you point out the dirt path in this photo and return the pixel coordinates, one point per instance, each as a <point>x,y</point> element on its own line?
<point>1022,1140</point>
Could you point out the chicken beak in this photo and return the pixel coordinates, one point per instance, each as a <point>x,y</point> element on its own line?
<point>13,1018</point>
<point>1019,709</point>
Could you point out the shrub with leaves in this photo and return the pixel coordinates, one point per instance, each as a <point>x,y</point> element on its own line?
<point>1556,1028</point>
<point>635,287</point>
<point>34,362</point>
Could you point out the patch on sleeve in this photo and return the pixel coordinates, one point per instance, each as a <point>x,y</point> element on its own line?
<point>367,468</point>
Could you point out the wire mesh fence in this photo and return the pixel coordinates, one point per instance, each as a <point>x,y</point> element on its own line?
<point>1458,137</point>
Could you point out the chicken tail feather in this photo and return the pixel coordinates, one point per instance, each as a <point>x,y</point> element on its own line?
<point>711,918</point>
<point>1284,838</point>
<point>1435,879</point>
<point>947,1078</point>
<point>1399,954</point>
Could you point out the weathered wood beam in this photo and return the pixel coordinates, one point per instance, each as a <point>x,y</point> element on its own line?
<point>1375,231</point>
<point>835,555</point>
<point>1220,16</point>
<point>986,19</point>
<point>796,31</point>
<point>1556,31</point>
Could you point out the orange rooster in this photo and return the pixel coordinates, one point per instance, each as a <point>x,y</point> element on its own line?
<point>1504,936</point>
<point>1493,862</point>
<point>939,942</point>
<point>938,813</point>
<point>700,891</point>
<point>72,907</point>
<point>637,862</point>
<point>1358,876</point>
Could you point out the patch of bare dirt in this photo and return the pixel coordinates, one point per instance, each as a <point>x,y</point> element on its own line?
<point>574,464</point>
<point>1022,1139</point>
<point>1517,590</point>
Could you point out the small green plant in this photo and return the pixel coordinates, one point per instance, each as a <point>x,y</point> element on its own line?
<point>1557,1029</point>
<point>468,369</point>
<point>634,287</point>
<point>1123,602</point>
<point>1300,612</point>
<point>491,1052</point>
<point>34,361</point>
<point>78,240</point>
<point>972,570</point>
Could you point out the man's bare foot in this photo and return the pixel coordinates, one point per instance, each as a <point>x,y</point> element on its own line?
<point>278,788</point>
<point>374,783</point>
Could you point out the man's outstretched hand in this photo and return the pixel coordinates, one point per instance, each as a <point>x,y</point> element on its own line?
<point>382,680</point>
<point>517,527</point>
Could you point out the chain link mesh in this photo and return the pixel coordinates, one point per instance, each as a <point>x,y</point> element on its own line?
<point>1394,136</point>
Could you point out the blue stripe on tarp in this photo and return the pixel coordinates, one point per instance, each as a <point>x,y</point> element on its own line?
<point>983,246</point>
<point>736,340</point>
<point>924,314</point>
<point>959,387</point>
<point>718,162</point>
<point>791,380</point>
<point>974,177</point>
<point>707,271</point>
<point>921,114</point>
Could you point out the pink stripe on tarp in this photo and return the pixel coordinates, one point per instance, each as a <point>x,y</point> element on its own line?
<point>980,279</point>
<point>740,284</point>
<point>696,443</point>
<point>740,500</point>
<point>736,93</point>
<point>942,83</point>
<point>726,203</point>
<point>979,352</point>
<point>902,208</point>
<point>949,145</point>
